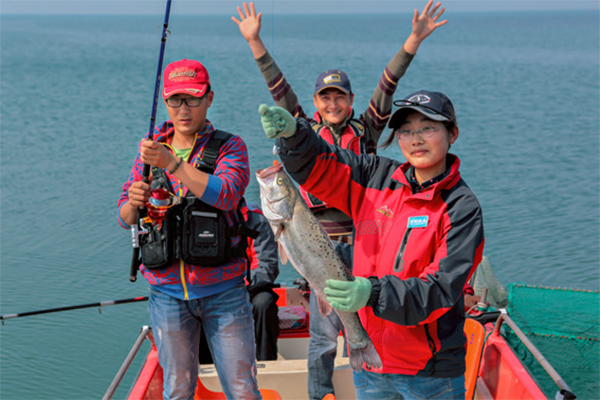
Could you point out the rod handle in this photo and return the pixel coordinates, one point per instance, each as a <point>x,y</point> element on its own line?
<point>135,264</point>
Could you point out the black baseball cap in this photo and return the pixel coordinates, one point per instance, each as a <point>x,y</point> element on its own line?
<point>434,105</point>
<point>333,78</point>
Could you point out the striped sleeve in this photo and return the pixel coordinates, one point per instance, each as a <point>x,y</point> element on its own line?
<point>281,91</point>
<point>380,107</point>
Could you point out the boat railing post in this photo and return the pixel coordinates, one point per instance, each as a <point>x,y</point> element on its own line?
<point>499,321</point>
<point>565,392</point>
<point>144,334</point>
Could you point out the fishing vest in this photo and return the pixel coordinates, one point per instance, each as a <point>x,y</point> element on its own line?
<point>353,139</point>
<point>194,231</point>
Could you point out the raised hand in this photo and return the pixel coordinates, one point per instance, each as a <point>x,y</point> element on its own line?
<point>249,23</point>
<point>277,122</point>
<point>425,23</point>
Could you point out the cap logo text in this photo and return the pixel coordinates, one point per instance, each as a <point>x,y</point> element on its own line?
<point>420,98</point>
<point>332,78</point>
<point>178,74</point>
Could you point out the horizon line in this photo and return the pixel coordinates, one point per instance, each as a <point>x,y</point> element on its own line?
<point>279,7</point>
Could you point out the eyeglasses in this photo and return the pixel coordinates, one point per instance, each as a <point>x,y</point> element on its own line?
<point>400,103</point>
<point>176,101</point>
<point>426,133</point>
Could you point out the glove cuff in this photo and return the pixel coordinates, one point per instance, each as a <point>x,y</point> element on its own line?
<point>375,291</point>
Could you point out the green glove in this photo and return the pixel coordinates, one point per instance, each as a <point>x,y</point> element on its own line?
<point>277,122</point>
<point>348,296</point>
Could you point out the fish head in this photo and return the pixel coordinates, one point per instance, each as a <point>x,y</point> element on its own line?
<point>278,194</point>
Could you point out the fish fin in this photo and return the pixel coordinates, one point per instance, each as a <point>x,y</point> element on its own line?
<point>324,307</point>
<point>282,254</point>
<point>278,232</point>
<point>367,355</point>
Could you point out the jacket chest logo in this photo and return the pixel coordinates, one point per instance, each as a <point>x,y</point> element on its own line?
<point>418,222</point>
<point>385,211</point>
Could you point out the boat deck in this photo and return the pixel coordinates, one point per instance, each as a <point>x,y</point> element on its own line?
<point>494,370</point>
<point>291,367</point>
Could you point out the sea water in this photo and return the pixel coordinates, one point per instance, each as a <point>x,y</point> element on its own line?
<point>76,95</point>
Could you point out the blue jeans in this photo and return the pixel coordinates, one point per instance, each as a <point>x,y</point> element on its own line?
<point>371,385</point>
<point>229,328</point>
<point>324,332</point>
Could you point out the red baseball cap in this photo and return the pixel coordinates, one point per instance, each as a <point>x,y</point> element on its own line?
<point>185,76</point>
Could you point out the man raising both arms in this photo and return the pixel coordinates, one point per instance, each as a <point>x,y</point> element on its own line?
<point>335,121</point>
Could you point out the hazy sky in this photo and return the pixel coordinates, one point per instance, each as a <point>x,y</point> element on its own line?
<point>139,7</point>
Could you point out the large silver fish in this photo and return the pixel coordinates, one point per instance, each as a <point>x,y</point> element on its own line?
<point>310,251</point>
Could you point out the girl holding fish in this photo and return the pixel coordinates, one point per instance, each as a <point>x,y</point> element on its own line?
<point>418,239</point>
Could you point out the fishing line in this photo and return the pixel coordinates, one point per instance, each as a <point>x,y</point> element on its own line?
<point>272,33</point>
<point>275,150</point>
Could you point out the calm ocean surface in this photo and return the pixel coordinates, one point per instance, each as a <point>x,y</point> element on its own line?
<point>76,97</point>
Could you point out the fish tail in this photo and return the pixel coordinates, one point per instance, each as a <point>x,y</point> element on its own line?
<point>367,355</point>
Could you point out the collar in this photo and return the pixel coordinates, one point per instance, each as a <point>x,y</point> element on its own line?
<point>164,134</point>
<point>414,184</point>
<point>405,173</point>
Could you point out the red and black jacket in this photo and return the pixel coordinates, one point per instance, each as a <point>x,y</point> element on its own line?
<point>352,138</point>
<point>418,249</point>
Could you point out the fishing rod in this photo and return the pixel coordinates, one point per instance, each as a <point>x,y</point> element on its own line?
<point>76,307</point>
<point>135,228</point>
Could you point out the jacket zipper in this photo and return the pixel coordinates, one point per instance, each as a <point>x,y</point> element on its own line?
<point>431,348</point>
<point>398,263</point>
<point>181,263</point>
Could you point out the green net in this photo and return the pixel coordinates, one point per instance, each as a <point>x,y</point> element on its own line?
<point>564,325</point>
<point>484,277</point>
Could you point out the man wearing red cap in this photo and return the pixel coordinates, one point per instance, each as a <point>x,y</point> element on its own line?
<point>183,290</point>
<point>335,121</point>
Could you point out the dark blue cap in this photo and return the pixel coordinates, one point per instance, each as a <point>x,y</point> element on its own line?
<point>333,78</point>
<point>434,105</point>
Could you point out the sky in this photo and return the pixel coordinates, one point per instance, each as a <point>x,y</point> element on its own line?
<point>157,7</point>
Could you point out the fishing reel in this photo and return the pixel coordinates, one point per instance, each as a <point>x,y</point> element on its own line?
<point>157,206</point>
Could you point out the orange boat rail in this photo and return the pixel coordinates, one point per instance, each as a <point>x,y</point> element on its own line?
<point>494,371</point>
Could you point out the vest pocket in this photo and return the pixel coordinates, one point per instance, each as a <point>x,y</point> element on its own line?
<point>204,237</point>
<point>158,245</point>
